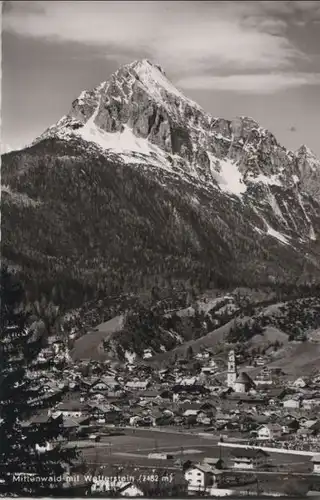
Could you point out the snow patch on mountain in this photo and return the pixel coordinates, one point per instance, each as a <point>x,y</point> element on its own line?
<point>119,142</point>
<point>300,201</point>
<point>275,207</point>
<point>227,175</point>
<point>230,179</point>
<point>272,180</point>
<point>269,230</point>
<point>295,179</point>
<point>276,234</point>
<point>312,234</point>
<point>285,204</point>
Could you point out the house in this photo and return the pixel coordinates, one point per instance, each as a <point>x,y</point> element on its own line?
<point>264,377</point>
<point>203,418</point>
<point>147,354</point>
<point>44,447</point>
<point>190,413</point>
<point>310,403</point>
<point>310,428</point>
<point>188,409</point>
<point>292,403</point>
<point>71,409</point>
<point>99,412</point>
<point>149,394</point>
<point>142,420</point>
<point>308,423</point>
<point>299,383</point>
<point>189,389</point>
<point>201,477</point>
<point>130,490</point>
<point>260,361</point>
<point>73,424</point>
<point>223,418</point>
<point>314,336</point>
<point>160,456</point>
<point>137,385</point>
<point>269,431</point>
<point>187,381</point>
<point>39,419</point>
<point>202,355</point>
<point>105,484</point>
<point>291,423</point>
<point>276,393</point>
<point>99,387</point>
<point>215,463</point>
<point>208,370</point>
<point>316,464</point>
<point>249,459</point>
<point>243,383</point>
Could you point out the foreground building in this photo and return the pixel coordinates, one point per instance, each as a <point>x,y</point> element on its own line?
<point>249,459</point>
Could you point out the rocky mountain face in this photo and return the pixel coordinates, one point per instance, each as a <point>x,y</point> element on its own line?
<point>136,182</point>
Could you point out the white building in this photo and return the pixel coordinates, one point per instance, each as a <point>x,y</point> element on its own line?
<point>316,464</point>
<point>201,478</point>
<point>70,409</point>
<point>138,385</point>
<point>187,381</point>
<point>44,448</point>
<point>202,355</point>
<point>292,403</point>
<point>269,431</point>
<point>264,377</point>
<point>147,354</point>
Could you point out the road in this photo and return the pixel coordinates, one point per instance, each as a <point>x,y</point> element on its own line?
<point>269,449</point>
<point>272,473</point>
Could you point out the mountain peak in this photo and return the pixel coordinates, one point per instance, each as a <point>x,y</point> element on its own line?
<point>305,151</point>
<point>151,78</point>
<point>145,64</point>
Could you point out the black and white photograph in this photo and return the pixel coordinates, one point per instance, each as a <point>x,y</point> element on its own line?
<point>160,249</point>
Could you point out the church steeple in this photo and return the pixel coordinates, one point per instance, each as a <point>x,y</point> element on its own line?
<point>232,369</point>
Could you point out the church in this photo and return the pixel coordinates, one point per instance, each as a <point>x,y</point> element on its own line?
<point>240,383</point>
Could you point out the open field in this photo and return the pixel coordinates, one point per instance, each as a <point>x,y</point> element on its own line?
<point>135,446</point>
<point>88,346</point>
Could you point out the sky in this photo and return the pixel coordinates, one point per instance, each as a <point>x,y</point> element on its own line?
<point>252,58</point>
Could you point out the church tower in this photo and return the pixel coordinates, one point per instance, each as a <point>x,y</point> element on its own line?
<point>232,370</point>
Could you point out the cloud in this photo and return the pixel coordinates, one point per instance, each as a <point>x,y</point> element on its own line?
<point>184,37</point>
<point>251,83</point>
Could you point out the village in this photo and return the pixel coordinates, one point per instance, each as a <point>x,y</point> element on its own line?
<point>204,425</point>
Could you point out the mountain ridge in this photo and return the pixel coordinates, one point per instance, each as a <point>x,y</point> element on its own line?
<point>137,180</point>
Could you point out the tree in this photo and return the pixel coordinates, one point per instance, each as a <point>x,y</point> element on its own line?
<point>21,399</point>
<point>49,314</point>
<point>189,352</point>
